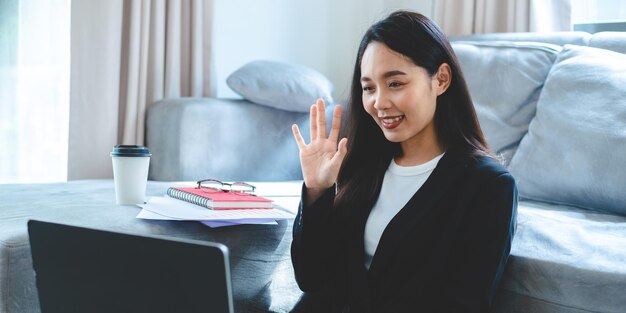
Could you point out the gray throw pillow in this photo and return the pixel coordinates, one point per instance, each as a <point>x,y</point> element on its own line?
<point>505,79</point>
<point>575,149</point>
<point>284,86</point>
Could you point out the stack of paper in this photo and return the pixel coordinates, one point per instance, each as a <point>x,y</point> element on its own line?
<point>166,208</point>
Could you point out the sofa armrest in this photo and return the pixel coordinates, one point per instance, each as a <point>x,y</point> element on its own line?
<point>555,38</point>
<point>231,140</point>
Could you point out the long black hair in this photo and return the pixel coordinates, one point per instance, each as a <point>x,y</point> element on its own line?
<point>369,152</point>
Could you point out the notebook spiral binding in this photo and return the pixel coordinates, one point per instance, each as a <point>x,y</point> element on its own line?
<point>189,197</point>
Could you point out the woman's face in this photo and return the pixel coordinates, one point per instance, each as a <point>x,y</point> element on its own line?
<point>399,95</point>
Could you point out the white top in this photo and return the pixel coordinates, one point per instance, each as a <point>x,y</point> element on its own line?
<point>399,185</point>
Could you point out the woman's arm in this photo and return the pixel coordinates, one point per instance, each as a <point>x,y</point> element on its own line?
<point>484,248</point>
<point>315,240</point>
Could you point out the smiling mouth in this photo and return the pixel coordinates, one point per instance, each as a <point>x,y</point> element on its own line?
<point>392,121</point>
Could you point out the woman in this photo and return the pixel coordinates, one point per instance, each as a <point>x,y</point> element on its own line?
<point>410,212</point>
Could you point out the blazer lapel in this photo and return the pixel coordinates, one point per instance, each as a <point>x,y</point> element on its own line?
<point>448,170</point>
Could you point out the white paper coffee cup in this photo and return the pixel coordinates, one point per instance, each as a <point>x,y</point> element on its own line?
<point>130,173</point>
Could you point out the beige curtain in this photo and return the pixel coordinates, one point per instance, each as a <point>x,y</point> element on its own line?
<point>126,55</point>
<point>464,17</point>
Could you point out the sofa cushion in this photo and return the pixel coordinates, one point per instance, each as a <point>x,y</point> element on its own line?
<point>575,150</point>
<point>284,86</point>
<point>505,79</point>
<point>571,259</point>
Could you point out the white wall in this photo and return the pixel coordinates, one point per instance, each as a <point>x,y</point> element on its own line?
<point>322,34</point>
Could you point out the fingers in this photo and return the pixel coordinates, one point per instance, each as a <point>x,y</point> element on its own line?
<point>313,122</point>
<point>298,136</point>
<point>336,124</point>
<point>343,147</point>
<point>321,119</point>
<point>342,150</point>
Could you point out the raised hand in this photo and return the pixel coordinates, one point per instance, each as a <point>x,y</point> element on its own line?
<point>321,159</point>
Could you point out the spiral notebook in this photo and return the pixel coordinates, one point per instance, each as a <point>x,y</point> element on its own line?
<point>220,200</point>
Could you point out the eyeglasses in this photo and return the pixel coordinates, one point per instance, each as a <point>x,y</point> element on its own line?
<point>214,185</point>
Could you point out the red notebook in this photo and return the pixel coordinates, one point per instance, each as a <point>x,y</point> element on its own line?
<point>219,200</point>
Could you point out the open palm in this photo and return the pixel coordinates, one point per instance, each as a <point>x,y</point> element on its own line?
<point>321,159</point>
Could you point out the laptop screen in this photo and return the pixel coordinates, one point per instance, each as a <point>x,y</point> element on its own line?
<point>87,270</point>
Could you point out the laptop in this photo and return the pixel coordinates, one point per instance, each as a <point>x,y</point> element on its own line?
<point>88,270</point>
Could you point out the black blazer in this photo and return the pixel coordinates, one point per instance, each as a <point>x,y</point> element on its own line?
<point>445,251</point>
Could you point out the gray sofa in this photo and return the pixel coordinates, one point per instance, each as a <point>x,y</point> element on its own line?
<point>556,114</point>
<point>545,107</point>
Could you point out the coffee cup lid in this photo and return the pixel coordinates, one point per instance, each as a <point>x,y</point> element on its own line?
<point>130,151</point>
